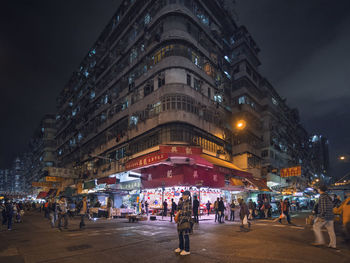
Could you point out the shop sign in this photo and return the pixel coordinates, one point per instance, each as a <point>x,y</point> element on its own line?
<point>180,150</point>
<point>45,184</point>
<point>53,179</point>
<point>148,159</point>
<point>291,171</point>
<point>89,185</point>
<point>107,180</point>
<point>132,185</point>
<point>62,172</point>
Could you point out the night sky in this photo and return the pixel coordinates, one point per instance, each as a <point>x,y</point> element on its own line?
<point>305,55</point>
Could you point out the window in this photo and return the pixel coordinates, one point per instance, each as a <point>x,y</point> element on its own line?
<point>209,92</point>
<point>147,19</point>
<point>195,59</point>
<point>274,101</point>
<point>188,79</point>
<point>218,98</point>
<point>161,81</point>
<point>197,85</point>
<point>92,94</point>
<point>148,88</point>
<point>264,153</point>
<point>133,120</point>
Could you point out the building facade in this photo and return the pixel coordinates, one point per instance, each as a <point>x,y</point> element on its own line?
<point>175,73</point>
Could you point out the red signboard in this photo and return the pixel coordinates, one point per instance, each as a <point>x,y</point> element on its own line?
<point>291,171</point>
<point>145,160</point>
<point>107,180</point>
<point>183,150</point>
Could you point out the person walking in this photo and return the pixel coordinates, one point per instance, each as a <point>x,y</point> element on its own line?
<point>266,208</point>
<point>83,211</point>
<point>221,207</point>
<point>243,215</point>
<point>173,210</point>
<point>195,209</point>
<point>208,207</point>
<point>9,214</point>
<point>146,206</point>
<point>216,208</point>
<point>184,224</point>
<point>324,218</point>
<point>62,213</point>
<point>232,209</point>
<point>52,212</point>
<point>251,209</point>
<point>285,208</point>
<point>109,207</point>
<point>165,208</point>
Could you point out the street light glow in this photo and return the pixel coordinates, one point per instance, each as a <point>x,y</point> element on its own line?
<point>342,158</point>
<point>241,124</point>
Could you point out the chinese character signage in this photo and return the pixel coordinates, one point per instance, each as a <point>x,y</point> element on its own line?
<point>45,184</point>
<point>145,160</point>
<point>62,172</point>
<point>291,171</point>
<point>186,150</point>
<point>53,179</point>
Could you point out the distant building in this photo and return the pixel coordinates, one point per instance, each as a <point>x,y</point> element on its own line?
<point>5,180</point>
<point>319,156</point>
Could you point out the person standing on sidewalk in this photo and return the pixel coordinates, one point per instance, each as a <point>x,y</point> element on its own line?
<point>232,209</point>
<point>146,206</point>
<point>251,209</point>
<point>184,224</point>
<point>62,213</point>
<point>243,214</point>
<point>216,208</point>
<point>324,218</point>
<point>221,207</point>
<point>266,208</point>
<point>83,211</point>
<point>195,209</point>
<point>165,208</point>
<point>52,212</point>
<point>173,210</point>
<point>208,207</point>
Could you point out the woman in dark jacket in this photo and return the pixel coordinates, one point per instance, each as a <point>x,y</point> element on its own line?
<point>184,224</point>
<point>243,212</point>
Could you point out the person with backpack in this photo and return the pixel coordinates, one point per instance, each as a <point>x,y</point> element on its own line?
<point>173,210</point>
<point>324,218</point>
<point>184,219</point>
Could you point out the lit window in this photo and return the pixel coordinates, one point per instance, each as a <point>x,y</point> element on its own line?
<point>92,94</point>
<point>103,117</point>
<point>218,98</point>
<point>60,152</point>
<point>227,59</point>
<point>92,52</point>
<point>133,120</point>
<point>74,112</point>
<point>227,75</point>
<point>105,100</point>
<point>80,137</point>
<point>274,101</point>
<point>147,19</point>
<point>86,73</point>
<point>208,69</point>
<point>42,130</point>
<point>242,100</point>
<point>195,59</point>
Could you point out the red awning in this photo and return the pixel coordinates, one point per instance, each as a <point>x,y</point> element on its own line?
<point>41,195</point>
<point>183,175</point>
<point>107,180</point>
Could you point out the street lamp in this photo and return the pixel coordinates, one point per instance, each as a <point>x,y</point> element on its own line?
<point>342,158</point>
<point>241,124</point>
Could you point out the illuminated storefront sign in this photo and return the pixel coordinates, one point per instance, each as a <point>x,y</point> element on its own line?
<point>148,159</point>
<point>53,179</point>
<point>291,171</point>
<point>45,184</point>
<point>186,150</point>
<point>62,172</point>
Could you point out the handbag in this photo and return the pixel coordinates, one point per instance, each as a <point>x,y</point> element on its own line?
<point>282,216</point>
<point>176,218</point>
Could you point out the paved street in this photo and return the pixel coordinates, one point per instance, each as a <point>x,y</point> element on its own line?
<point>119,241</point>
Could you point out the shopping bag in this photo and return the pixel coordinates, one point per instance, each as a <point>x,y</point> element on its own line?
<point>282,216</point>
<point>245,220</point>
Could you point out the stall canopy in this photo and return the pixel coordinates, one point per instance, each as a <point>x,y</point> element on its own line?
<point>41,195</point>
<point>259,183</point>
<point>226,167</point>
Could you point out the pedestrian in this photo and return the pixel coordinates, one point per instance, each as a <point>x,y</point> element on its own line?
<point>251,209</point>
<point>3,214</point>
<point>9,214</point>
<point>52,212</point>
<point>173,210</point>
<point>221,207</point>
<point>232,209</point>
<point>324,218</point>
<point>285,208</point>
<point>146,206</point>
<point>266,208</point>
<point>216,208</point>
<point>83,211</point>
<point>46,209</point>
<point>208,207</point>
<point>195,209</point>
<point>243,214</point>
<point>344,210</point>
<point>184,224</point>
<point>110,208</point>
<point>165,208</point>
<point>62,213</point>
